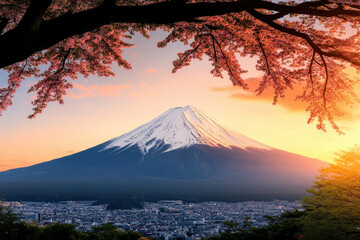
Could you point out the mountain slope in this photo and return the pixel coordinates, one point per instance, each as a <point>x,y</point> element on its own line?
<point>181,153</point>
<point>182,127</point>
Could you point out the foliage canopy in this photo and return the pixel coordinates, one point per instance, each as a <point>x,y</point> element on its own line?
<point>11,228</point>
<point>302,44</point>
<point>334,205</point>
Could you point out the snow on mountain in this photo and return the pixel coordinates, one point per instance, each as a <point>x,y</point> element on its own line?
<point>182,127</point>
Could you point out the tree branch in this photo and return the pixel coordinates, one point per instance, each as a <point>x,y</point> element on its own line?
<point>21,42</point>
<point>302,35</point>
<point>3,24</point>
<point>45,100</point>
<point>326,80</point>
<point>223,54</point>
<point>310,73</point>
<point>189,54</point>
<point>265,57</point>
<point>12,86</point>
<point>33,16</point>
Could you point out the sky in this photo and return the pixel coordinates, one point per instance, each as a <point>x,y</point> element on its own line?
<point>99,109</point>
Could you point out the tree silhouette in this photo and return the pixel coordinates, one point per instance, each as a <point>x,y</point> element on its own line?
<point>298,43</point>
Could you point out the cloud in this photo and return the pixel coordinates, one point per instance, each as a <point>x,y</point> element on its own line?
<point>289,102</point>
<point>69,151</point>
<point>350,114</point>
<point>151,70</point>
<point>144,91</point>
<point>237,89</point>
<point>11,163</point>
<point>4,167</point>
<point>134,53</point>
<point>82,91</point>
<point>239,93</point>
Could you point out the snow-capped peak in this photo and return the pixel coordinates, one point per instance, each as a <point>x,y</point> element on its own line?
<point>182,127</point>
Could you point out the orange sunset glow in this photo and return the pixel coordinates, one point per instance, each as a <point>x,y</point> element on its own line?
<point>180,120</point>
<point>98,109</point>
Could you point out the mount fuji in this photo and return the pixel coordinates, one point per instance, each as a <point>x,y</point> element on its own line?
<point>182,154</point>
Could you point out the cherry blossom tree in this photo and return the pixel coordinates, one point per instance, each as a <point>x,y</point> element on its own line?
<point>302,43</point>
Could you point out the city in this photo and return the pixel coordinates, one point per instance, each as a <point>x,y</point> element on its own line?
<point>171,219</point>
